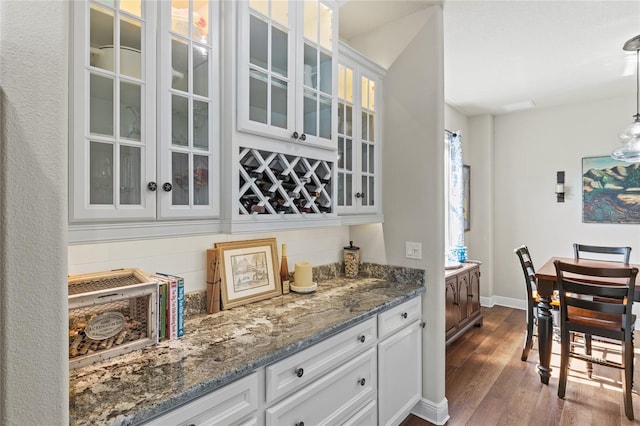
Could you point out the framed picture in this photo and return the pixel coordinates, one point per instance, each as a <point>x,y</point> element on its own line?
<point>466,196</point>
<point>610,191</point>
<point>248,271</point>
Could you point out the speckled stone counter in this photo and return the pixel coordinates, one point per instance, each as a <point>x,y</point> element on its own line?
<point>220,348</point>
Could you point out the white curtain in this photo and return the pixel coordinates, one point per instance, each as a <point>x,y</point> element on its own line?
<point>456,188</point>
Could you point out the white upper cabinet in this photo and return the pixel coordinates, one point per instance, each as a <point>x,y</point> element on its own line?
<point>145,117</point>
<point>359,135</point>
<point>287,67</point>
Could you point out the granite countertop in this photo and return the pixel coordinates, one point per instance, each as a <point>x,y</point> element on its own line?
<point>220,348</point>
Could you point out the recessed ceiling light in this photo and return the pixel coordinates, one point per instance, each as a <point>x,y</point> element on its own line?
<point>518,106</point>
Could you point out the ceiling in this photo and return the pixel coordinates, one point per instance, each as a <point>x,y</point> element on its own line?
<point>502,55</point>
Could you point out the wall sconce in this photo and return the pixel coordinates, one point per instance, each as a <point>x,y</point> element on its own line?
<point>560,187</point>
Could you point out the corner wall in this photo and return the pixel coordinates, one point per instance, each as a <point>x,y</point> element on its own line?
<point>34,362</point>
<point>413,175</point>
<point>414,183</point>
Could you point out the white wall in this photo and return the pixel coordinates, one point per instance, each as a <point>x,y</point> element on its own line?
<point>479,154</point>
<point>455,121</point>
<point>34,363</point>
<point>530,147</point>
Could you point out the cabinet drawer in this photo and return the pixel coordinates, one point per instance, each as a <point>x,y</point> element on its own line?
<point>398,317</point>
<point>302,368</point>
<point>365,417</point>
<point>332,399</point>
<point>223,406</point>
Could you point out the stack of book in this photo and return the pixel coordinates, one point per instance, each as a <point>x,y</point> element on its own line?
<point>170,306</point>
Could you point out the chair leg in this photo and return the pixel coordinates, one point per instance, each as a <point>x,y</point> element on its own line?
<point>564,362</point>
<point>587,351</point>
<point>627,378</point>
<point>528,339</point>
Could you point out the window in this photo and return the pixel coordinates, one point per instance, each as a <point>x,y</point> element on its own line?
<point>453,191</point>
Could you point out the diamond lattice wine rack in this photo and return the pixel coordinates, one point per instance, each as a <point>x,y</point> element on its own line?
<point>274,183</point>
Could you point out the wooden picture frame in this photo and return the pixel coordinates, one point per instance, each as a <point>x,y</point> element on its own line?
<point>466,196</point>
<point>248,271</point>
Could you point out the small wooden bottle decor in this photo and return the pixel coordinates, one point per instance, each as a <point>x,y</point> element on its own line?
<point>284,270</point>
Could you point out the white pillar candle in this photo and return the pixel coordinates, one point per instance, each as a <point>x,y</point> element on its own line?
<point>302,275</point>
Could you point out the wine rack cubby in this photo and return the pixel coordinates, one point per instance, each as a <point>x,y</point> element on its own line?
<point>274,183</point>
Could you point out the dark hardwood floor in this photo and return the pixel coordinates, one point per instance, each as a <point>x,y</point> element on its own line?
<point>488,384</point>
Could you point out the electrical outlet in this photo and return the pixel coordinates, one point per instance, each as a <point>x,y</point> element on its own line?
<point>413,250</point>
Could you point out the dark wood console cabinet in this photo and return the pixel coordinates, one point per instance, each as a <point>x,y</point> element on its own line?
<point>462,300</point>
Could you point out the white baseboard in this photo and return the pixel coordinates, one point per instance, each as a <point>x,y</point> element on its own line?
<point>436,413</point>
<point>503,301</point>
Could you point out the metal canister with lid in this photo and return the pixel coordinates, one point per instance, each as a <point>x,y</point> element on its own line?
<point>351,260</point>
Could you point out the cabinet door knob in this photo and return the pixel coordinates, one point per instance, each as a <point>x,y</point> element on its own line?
<point>362,194</point>
<point>295,135</point>
<point>299,372</point>
<point>357,195</point>
<point>362,381</point>
<point>152,186</point>
<point>362,338</point>
<point>167,187</point>
<point>404,315</point>
<point>303,137</point>
<point>300,424</point>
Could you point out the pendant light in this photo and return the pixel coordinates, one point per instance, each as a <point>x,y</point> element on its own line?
<point>630,137</point>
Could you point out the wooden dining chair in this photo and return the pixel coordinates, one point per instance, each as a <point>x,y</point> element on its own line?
<point>591,305</point>
<point>532,298</point>
<point>620,254</point>
<point>608,253</point>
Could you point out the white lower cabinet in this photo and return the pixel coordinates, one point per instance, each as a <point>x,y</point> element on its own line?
<point>399,364</point>
<point>367,375</point>
<point>301,369</point>
<point>365,417</point>
<point>230,405</point>
<point>332,399</point>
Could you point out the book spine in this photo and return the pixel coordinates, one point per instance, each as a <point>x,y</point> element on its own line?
<point>162,306</point>
<point>163,312</point>
<point>180,331</point>
<point>172,312</point>
<point>159,309</point>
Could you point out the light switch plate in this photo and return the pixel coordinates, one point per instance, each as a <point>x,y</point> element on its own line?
<point>413,250</point>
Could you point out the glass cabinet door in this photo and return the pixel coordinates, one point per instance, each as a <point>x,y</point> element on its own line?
<point>317,71</point>
<point>287,67</point>
<point>345,165</point>
<point>111,146</point>
<point>188,156</point>
<point>367,143</point>
<point>266,77</point>
<point>359,148</point>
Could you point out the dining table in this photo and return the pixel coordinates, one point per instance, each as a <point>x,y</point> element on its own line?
<point>547,282</point>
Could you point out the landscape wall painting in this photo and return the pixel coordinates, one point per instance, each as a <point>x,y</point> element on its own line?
<point>610,191</point>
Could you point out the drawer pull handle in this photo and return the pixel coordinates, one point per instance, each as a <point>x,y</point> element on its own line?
<point>362,338</point>
<point>362,382</point>
<point>404,315</point>
<point>300,424</point>
<point>299,372</point>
